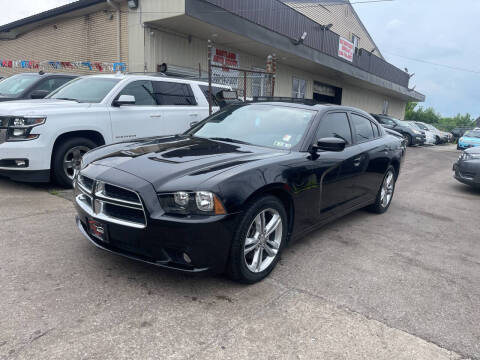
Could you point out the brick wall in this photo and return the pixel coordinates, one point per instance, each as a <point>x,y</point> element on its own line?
<point>91,37</point>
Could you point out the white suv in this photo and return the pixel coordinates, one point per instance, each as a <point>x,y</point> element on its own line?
<point>40,139</point>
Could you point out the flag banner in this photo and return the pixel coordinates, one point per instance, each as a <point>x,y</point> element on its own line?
<point>66,65</point>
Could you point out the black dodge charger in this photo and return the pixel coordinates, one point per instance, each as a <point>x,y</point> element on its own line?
<point>229,194</point>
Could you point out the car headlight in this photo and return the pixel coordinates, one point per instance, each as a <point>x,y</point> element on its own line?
<point>20,128</point>
<point>191,203</point>
<point>416,132</point>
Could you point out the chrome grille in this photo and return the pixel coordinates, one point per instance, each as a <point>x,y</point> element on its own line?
<point>109,202</point>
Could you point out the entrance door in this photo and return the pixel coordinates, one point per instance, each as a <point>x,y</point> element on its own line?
<point>324,93</point>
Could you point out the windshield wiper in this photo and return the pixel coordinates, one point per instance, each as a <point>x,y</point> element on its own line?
<point>68,99</point>
<point>230,140</point>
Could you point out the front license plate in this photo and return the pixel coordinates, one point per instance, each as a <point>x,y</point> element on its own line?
<point>97,230</point>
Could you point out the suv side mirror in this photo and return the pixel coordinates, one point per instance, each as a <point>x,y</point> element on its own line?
<point>331,144</point>
<point>124,100</point>
<point>39,94</point>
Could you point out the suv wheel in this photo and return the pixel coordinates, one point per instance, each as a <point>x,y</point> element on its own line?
<point>66,156</point>
<point>258,241</point>
<point>385,194</point>
<point>408,139</point>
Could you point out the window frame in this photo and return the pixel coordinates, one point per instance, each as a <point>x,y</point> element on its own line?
<point>375,137</point>
<point>324,116</point>
<point>131,83</point>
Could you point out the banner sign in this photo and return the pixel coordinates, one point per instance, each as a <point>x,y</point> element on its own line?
<point>224,58</point>
<point>70,65</point>
<point>346,49</point>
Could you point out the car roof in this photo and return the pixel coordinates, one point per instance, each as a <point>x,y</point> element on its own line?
<point>316,107</point>
<point>122,76</point>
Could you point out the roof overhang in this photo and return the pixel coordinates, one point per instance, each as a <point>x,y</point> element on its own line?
<point>204,19</point>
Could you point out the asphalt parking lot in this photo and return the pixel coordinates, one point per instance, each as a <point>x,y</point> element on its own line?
<point>403,285</point>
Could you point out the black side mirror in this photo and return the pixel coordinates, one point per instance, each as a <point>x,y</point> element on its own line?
<point>331,144</point>
<point>39,94</point>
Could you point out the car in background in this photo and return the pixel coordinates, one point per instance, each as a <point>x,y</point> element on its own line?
<point>471,138</point>
<point>411,135</point>
<point>32,85</point>
<point>229,194</point>
<point>429,136</point>
<point>467,168</point>
<point>440,136</point>
<point>44,139</point>
<point>459,131</point>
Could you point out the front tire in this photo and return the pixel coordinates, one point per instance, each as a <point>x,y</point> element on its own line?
<point>259,240</point>
<point>65,156</point>
<point>385,193</point>
<point>408,139</point>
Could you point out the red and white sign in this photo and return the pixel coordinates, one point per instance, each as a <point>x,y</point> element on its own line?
<point>225,58</point>
<point>346,49</point>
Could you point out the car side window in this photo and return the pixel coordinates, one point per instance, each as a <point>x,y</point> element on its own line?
<point>171,93</point>
<point>52,84</point>
<point>142,90</point>
<point>335,125</point>
<point>363,128</point>
<point>215,91</point>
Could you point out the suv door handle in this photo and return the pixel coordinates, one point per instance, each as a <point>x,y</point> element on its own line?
<point>357,161</point>
<point>194,115</point>
<point>156,116</point>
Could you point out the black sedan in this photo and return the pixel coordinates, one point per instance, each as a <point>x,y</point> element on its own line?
<point>467,168</point>
<point>412,135</point>
<point>230,193</point>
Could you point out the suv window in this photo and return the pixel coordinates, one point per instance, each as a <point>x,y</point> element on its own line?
<point>335,125</point>
<point>363,128</point>
<point>171,93</point>
<point>52,83</point>
<point>143,92</point>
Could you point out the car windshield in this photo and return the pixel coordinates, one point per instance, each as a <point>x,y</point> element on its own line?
<point>258,124</point>
<point>473,133</point>
<point>402,123</point>
<point>414,125</point>
<point>85,90</point>
<point>17,84</point>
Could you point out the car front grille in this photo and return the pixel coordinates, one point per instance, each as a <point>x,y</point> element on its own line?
<point>467,174</point>
<point>109,202</point>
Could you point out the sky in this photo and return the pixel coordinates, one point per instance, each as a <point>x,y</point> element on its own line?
<point>434,31</point>
<point>409,33</point>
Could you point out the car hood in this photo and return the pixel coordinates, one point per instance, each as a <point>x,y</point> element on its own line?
<point>177,162</point>
<point>38,106</point>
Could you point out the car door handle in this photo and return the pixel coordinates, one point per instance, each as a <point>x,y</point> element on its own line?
<point>156,116</point>
<point>193,115</point>
<point>357,161</point>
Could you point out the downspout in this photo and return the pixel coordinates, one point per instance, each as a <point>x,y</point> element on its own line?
<point>119,28</point>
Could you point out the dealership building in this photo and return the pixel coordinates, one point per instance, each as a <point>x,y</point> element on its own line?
<point>322,50</point>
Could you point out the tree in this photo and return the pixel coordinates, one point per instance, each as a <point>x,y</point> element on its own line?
<point>430,116</point>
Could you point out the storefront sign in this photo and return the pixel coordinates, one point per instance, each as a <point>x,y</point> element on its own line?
<point>223,61</point>
<point>346,49</point>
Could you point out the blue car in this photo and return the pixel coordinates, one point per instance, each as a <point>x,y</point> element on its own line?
<point>470,139</point>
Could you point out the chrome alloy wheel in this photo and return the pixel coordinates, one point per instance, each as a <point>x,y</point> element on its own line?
<point>387,189</point>
<point>72,159</point>
<point>263,240</point>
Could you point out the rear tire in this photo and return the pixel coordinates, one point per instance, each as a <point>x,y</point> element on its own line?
<point>252,241</point>
<point>64,158</point>
<point>385,193</point>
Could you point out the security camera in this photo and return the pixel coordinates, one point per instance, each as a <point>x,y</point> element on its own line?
<point>304,36</point>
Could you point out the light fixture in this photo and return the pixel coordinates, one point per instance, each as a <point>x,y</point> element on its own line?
<point>132,4</point>
<point>301,39</point>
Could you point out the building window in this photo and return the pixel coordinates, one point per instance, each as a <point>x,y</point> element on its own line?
<point>385,107</point>
<point>299,88</point>
<point>355,41</point>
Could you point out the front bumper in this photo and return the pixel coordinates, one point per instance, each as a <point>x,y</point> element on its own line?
<point>164,244</point>
<point>465,145</point>
<point>467,172</point>
<point>191,244</point>
<point>37,154</point>
<point>418,139</point>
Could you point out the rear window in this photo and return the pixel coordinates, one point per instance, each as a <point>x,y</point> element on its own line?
<point>15,85</point>
<point>363,128</point>
<point>171,93</point>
